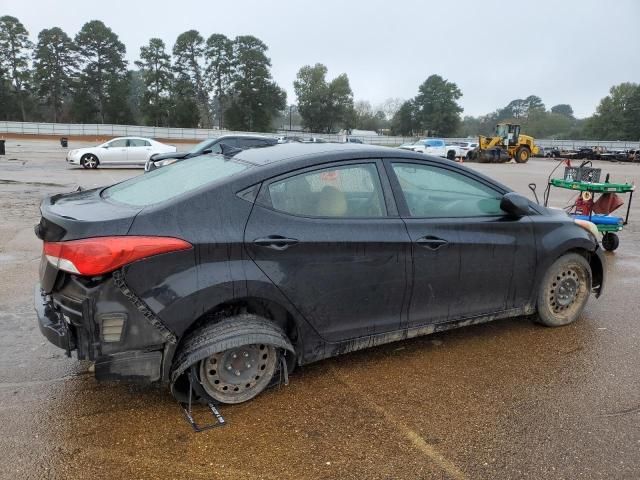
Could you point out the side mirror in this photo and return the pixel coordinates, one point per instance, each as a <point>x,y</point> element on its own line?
<point>206,151</point>
<point>515,204</point>
<point>105,146</point>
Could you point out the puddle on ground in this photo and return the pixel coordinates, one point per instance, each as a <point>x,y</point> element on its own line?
<point>35,184</point>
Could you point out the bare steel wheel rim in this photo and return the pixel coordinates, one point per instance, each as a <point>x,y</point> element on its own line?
<point>565,290</point>
<point>238,374</point>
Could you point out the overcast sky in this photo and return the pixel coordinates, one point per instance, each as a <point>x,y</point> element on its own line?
<point>565,51</point>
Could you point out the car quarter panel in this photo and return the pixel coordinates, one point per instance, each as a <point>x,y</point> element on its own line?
<point>186,286</point>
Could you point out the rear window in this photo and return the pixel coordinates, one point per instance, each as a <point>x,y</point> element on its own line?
<point>173,180</point>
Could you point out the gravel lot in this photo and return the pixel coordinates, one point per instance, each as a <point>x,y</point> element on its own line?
<point>508,399</point>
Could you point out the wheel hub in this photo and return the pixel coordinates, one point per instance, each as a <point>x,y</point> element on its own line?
<point>564,290</point>
<point>236,372</point>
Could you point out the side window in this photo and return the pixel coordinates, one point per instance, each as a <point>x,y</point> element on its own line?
<point>231,142</point>
<point>121,142</point>
<point>437,192</point>
<point>216,148</point>
<point>137,142</point>
<point>252,142</point>
<point>248,142</point>
<point>348,191</point>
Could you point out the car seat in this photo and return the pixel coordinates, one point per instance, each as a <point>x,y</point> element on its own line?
<point>331,203</point>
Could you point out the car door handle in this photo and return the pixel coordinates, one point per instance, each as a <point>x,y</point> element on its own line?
<point>432,243</point>
<point>275,242</point>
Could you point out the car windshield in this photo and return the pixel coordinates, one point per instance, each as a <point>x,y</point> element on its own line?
<point>173,180</point>
<point>201,146</point>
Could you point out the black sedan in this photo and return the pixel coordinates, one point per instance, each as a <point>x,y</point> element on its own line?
<point>223,144</point>
<point>217,275</point>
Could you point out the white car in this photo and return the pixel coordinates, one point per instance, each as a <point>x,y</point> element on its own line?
<point>466,147</point>
<point>454,150</point>
<point>119,151</point>
<point>431,146</point>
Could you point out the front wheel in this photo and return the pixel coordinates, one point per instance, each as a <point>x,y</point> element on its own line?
<point>522,155</point>
<point>89,161</point>
<point>564,290</point>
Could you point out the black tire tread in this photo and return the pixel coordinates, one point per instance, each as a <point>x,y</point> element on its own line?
<point>243,329</point>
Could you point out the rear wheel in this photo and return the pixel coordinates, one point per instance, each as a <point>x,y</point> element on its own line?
<point>522,155</point>
<point>231,361</point>
<point>451,155</point>
<point>238,374</point>
<point>610,241</point>
<point>89,161</point>
<point>564,290</point>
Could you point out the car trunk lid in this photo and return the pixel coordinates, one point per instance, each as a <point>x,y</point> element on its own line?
<point>76,215</point>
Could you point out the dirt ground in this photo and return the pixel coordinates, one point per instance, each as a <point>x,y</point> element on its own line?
<point>503,400</point>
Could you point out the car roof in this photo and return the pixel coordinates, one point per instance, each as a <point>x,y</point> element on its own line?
<point>293,151</point>
<point>243,135</point>
<point>271,161</point>
<point>132,138</point>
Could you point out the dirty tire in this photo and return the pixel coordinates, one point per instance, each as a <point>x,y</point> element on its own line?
<point>610,241</point>
<point>89,161</point>
<point>451,155</point>
<point>235,358</point>
<point>564,290</point>
<point>522,155</point>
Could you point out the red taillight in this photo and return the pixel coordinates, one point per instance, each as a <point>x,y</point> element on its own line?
<point>100,255</point>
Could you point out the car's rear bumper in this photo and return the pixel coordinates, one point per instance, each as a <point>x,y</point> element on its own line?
<point>102,326</point>
<point>52,323</point>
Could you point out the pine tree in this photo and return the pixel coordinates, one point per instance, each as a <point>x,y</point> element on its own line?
<point>55,63</point>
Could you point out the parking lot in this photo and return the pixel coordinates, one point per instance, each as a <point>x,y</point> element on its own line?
<point>508,399</point>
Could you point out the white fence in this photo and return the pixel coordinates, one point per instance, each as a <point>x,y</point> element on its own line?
<point>196,134</point>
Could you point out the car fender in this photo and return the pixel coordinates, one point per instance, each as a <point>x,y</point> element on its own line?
<point>567,237</point>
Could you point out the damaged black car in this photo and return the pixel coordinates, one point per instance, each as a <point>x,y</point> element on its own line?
<point>229,272</point>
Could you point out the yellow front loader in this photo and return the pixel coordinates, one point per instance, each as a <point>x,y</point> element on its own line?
<point>506,144</point>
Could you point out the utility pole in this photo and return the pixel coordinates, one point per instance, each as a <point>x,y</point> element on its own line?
<point>290,109</point>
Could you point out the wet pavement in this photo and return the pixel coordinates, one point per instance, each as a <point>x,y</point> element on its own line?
<point>508,399</point>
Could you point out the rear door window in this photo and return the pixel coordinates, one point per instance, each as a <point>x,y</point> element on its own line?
<point>350,191</point>
<point>138,142</point>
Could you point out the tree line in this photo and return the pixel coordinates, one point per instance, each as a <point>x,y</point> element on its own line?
<point>617,117</point>
<point>200,83</point>
<point>227,83</point>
